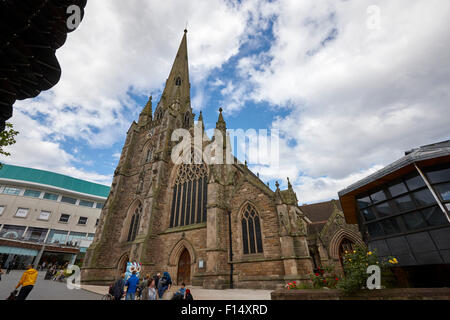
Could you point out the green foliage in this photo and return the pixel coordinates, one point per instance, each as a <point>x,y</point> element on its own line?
<point>7,138</point>
<point>355,269</point>
<point>325,278</point>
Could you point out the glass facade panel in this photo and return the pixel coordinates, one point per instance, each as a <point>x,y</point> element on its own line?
<point>368,214</point>
<point>397,189</point>
<point>384,209</point>
<point>99,205</point>
<point>415,182</point>
<point>50,196</point>
<point>82,220</point>
<point>440,175</point>
<point>85,203</point>
<point>444,191</point>
<point>434,216</point>
<point>378,196</point>
<point>64,218</point>
<point>57,236</point>
<point>363,202</point>
<point>44,215</point>
<point>32,193</point>
<point>68,200</point>
<point>414,221</point>
<point>404,203</point>
<point>424,197</point>
<point>9,190</point>
<point>375,229</point>
<point>390,226</point>
<point>35,234</point>
<point>12,232</point>
<point>22,212</point>
<point>74,238</point>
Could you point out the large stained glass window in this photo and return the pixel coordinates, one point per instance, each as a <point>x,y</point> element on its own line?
<point>189,195</point>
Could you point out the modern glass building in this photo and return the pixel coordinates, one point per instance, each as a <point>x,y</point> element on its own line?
<point>46,216</point>
<point>403,210</point>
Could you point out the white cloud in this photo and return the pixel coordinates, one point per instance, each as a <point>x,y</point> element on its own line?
<point>361,99</point>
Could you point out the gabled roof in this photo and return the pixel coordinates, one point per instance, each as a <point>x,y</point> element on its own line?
<point>57,180</point>
<point>320,212</point>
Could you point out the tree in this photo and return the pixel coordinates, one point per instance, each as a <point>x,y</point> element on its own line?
<point>7,138</point>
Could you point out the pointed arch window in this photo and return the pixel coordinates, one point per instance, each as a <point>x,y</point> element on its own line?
<point>189,195</point>
<point>251,231</point>
<point>187,119</point>
<point>148,157</point>
<point>178,81</point>
<point>134,225</point>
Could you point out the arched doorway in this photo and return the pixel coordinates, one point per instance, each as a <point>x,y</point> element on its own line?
<point>346,245</point>
<point>184,267</point>
<point>122,265</point>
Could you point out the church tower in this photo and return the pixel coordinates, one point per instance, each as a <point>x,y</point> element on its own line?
<point>212,225</point>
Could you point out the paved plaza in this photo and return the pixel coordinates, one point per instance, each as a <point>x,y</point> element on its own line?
<point>44,289</point>
<point>54,290</point>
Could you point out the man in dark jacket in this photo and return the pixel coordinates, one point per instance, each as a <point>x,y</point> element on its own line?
<point>118,288</point>
<point>132,284</point>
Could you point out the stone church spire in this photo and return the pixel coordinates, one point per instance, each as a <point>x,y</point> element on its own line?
<point>146,113</point>
<point>176,93</point>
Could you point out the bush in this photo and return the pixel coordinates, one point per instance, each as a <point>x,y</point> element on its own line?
<point>355,269</point>
<point>325,278</point>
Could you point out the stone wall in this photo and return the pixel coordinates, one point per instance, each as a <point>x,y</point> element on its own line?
<point>383,294</point>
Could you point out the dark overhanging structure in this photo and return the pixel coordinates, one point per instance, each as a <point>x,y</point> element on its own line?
<point>403,210</point>
<point>30,33</point>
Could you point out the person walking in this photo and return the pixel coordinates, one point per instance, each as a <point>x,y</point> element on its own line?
<point>152,293</point>
<point>156,278</point>
<point>143,287</point>
<point>1,272</point>
<point>27,282</point>
<point>118,288</point>
<point>132,283</point>
<point>164,284</point>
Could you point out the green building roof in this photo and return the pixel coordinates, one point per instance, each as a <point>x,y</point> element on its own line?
<point>53,179</point>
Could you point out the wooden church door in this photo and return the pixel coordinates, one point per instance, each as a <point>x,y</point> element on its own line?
<point>184,268</point>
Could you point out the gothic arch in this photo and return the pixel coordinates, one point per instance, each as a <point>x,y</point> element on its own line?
<point>178,249</point>
<point>121,262</point>
<point>337,238</point>
<point>127,221</point>
<point>251,226</point>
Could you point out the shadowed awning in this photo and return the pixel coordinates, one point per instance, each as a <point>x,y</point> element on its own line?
<point>30,33</point>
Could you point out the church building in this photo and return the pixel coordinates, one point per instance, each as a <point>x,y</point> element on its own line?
<point>210,225</point>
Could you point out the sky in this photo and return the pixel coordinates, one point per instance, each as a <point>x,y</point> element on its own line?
<point>350,85</point>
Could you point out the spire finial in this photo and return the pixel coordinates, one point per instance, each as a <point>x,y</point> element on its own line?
<point>220,109</point>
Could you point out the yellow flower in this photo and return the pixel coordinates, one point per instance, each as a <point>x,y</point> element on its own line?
<point>346,251</point>
<point>391,261</point>
<point>354,251</point>
<point>350,260</point>
<point>395,260</point>
<point>369,253</point>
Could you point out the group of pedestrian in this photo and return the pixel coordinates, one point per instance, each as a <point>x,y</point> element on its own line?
<point>148,288</point>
